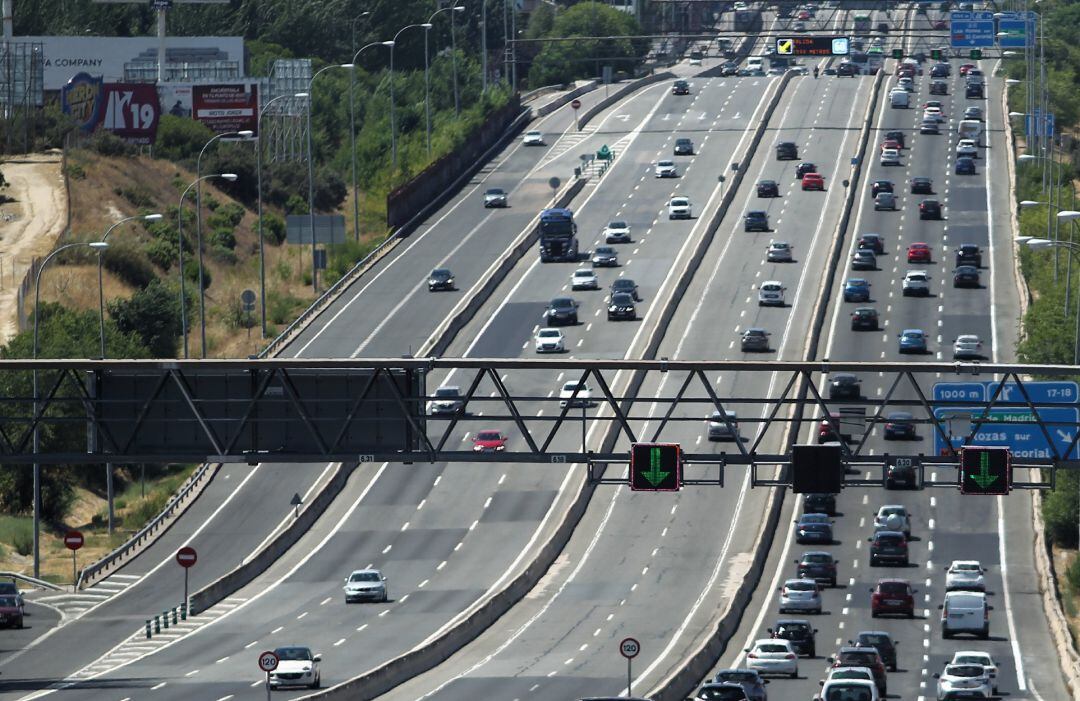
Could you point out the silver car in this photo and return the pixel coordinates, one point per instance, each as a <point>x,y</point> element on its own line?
<point>447,400</point>
<point>778,252</point>
<point>605,257</point>
<point>893,517</point>
<point>800,595</point>
<point>617,232</point>
<point>366,585</point>
<point>495,197</point>
<point>666,169</point>
<point>719,429</point>
<point>584,279</point>
<point>885,200</point>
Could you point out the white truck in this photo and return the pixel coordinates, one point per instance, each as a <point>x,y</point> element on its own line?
<point>970,129</point>
<point>755,64</point>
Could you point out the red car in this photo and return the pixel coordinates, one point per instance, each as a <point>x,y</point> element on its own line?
<point>890,143</point>
<point>489,442</point>
<point>893,596</point>
<point>813,181</point>
<point>918,253</point>
<point>964,68</point>
<point>803,15</point>
<point>11,614</point>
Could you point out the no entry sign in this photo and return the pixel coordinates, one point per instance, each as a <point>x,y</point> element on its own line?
<point>186,557</point>
<point>575,104</point>
<point>73,540</point>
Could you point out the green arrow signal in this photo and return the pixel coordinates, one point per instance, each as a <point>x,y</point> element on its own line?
<point>984,479</point>
<point>655,475</point>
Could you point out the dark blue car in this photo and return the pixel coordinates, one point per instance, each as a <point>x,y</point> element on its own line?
<point>856,289</point>
<point>965,166</point>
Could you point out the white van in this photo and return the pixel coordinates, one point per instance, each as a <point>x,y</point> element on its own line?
<point>970,129</point>
<point>899,98</point>
<point>755,64</point>
<point>965,612</point>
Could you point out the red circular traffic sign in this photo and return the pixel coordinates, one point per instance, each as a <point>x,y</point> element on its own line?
<point>186,556</point>
<point>268,661</point>
<point>575,104</point>
<point>73,540</point>
<point>629,648</point>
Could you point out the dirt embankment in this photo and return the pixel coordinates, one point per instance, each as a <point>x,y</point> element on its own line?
<point>29,225</point>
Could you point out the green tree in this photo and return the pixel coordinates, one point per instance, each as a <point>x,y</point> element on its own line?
<point>1059,509</point>
<point>153,314</point>
<point>563,61</point>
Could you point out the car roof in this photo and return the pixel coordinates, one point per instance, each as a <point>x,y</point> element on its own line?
<point>891,534</point>
<point>874,632</point>
<point>913,332</point>
<point>893,580</point>
<point>365,570</point>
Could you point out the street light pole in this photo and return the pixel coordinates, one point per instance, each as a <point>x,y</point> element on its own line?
<point>97,246</point>
<point>427,77</point>
<point>311,172</point>
<point>258,197</point>
<point>453,57</point>
<point>245,133</point>
<point>393,112</point>
<point>352,136</point>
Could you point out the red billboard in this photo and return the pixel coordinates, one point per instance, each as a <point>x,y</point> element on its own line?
<point>226,108</point>
<point>128,110</point>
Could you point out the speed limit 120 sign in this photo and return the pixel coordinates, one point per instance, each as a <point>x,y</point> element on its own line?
<point>268,661</point>
<point>629,648</point>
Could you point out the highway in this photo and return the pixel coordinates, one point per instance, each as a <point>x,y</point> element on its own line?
<point>444,545</point>
<point>946,526</point>
<point>229,521</point>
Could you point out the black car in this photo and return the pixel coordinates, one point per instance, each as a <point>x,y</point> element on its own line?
<point>621,307</point>
<point>440,279</point>
<point>625,284</point>
<point>729,68</point>
<point>969,254</point>
<point>939,70</point>
<point>897,136</point>
<point>929,209</point>
<point>966,276</point>
<point>798,632</point>
<point>864,319</point>
<point>820,533</point>
<point>768,188</point>
<point>882,642</point>
<point>874,242</point>
<point>965,165</point>
<point>680,87</point>
<point>922,186</point>
<point>817,565</point>
<point>819,503</point>
<point>804,168</point>
<point>900,426</point>
<point>901,474</point>
<point>939,87</point>
<point>883,27</point>
<point>561,310</point>
<point>974,91</point>
<point>844,386</point>
<point>888,547</point>
<point>756,220</point>
<point>787,151</point>
<point>684,147</point>
<point>847,69</point>
<point>879,186</point>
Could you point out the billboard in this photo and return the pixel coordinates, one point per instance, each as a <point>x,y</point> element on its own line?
<point>227,107</point>
<point>105,57</point>
<point>128,110</point>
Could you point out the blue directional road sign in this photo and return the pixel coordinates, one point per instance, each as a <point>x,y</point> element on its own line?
<point>971,29</point>
<point>1026,440</point>
<point>1016,29</point>
<point>1038,125</point>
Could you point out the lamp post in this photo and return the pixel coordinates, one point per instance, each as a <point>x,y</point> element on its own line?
<point>427,77</point>
<point>453,57</point>
<point>97,246</point>
<point>352,136</point>
<point>258,197</point>
<point>311,171</point>
<point>245,134</point>
<point>352,25</point>
<point>393,113</point>
<point>101,321</point>
<point>180,240</point>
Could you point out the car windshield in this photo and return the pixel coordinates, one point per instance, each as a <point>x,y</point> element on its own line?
<point>968,567</point>
<point>792,629</point>
<point>293,653</point>
<point>495,191</point>
<point>665,164</point>
<point>889,539</point>
<point>623,298</point>
<point>446,392</point>
<point>771,287</point>
<point>617,225</point>
<point>874,639</point>
<point>859,659</point>
<point>772,647</point>
<point>488,436</point>
<point>680,201</point>
<point>818,558</point>
<point>605,250</point>
<point>364,577</point>
<point>851,673</point>
<point>896,588</point>
<point>801,586</point>
<point>549,333</point>
<point>440,273</point>
<point>739,677</point>
<point>8,601</point>
<point>849,692</point>
<point>583,273</point>
<point>571,386</point>
<point>965,670</point>
<point>972,659</point>
<point>721,693</point>
<point>899,416</point>
<point>913,335</point>
<point>562,303</point>
<point>779,246</point>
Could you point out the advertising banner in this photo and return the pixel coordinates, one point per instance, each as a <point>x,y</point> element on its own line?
<point>226,108</point>
<point>129,110</point>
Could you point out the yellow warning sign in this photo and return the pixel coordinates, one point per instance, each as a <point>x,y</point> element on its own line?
<point>785,47</point>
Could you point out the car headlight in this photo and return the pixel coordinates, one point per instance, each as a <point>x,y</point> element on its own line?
<point>613,308</point>
<point>477,448</point>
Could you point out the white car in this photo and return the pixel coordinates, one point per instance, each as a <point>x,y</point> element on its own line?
<point>550,340</point>
<point>916,282</point>
<point>967,346</point>
<point>972,680</point>
<point>857,673</point>
<point>366,585</point>
<point>584,279</point>
<point>965,574</point>
<point>665,169</point>
<point>893,517</point>
<point>906,84</point>
<point>583,398</point>
<point>934,113</point>
<point>297,666</point>
<point>981,658</point>
<point>967,147</point>
<point>800,595</point>
<point>773,656</point>
<point>679,208</point>
<point>771,293</point>
<point>845,689</point>
<point>617,232</point>
<point>533,138</point>
<point>890,157</point>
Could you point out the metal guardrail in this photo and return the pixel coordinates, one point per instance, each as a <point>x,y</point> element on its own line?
<point>32,580</point>
<point>138,539</point>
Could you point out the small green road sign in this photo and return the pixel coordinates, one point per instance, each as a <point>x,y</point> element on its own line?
<point>656,467</point>
<point>935,54</point>
<point>985,470</point>
<point>604,154</point>
<point>975,54</point>
<point>898,54</point>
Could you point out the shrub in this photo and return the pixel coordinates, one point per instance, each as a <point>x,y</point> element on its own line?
<point>223,237</point>
<point>281,307</point>
<point>180,138</point>
<point>136,196</point>
<point>162,253</point>
<point>273,228</point>
<point>24,542</point>
<point>153,314</point>
<point>105,144</point>
<point>223,255</point>
<point>74,171</point>
<point>296,205</point>
<point>1072,574</point>
<point>1059,510</point>
<point>231,213</point>
<point>127,263</point>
